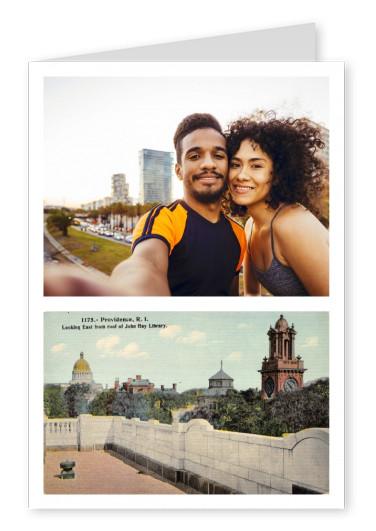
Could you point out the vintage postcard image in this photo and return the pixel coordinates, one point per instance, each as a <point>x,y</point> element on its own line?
<point>187,403</point>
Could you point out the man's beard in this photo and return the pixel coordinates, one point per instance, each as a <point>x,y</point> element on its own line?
<point>211,195</point>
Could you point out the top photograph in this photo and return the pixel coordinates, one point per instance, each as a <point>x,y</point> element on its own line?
<point>186,185</point>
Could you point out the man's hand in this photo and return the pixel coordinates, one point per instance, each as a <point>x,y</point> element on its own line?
<point>145,272</point>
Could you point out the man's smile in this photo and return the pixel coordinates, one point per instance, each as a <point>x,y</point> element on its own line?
<point>208,178</point>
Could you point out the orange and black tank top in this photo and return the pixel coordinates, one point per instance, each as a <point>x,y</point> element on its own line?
<point>204,257</point>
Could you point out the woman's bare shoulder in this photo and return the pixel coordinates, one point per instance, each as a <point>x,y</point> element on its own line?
<point>295,220</point>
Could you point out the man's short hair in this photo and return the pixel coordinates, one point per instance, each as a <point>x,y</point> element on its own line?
<point>190,124</point>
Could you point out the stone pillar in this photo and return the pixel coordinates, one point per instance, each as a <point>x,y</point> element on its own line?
<point>85,428</point>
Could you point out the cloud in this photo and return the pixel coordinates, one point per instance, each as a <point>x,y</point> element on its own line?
<point>235,355</point>
<point>106,344</point>
<point>311,342</point>
<point>243,325</point>
<point>129,352</point>
<point>193,337</point>
<point>59,347</point>
<point>170,332</point>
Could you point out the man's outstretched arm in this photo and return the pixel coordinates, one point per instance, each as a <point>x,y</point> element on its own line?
<point>145,272</point>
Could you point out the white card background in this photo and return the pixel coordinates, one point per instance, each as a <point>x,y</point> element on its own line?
<point>322,83</point>
<point>35,31</point>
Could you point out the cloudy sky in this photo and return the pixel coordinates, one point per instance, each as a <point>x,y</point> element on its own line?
<point>95,126</point>
<point>187,350</point>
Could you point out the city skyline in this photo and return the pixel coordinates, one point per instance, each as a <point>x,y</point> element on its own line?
<point>94,127</point>
<point>187,349</point>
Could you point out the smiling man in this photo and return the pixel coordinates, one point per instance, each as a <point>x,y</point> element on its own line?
<point>189,247</point>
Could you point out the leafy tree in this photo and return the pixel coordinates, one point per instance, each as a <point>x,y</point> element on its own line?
<point>288,412</point>
<point>129,406</point>
<point>104,212</point>
<point>53,402</point>
<point>60,220</point>
<point>102,404</point>
<point>93,214</point>
<point>76,399</point>
<point>251,395</point>
<point>203,412</point>
<point>305,408</point>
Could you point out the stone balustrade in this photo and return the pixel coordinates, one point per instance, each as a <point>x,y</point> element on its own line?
<point>61,433</point>
<point>240,462</point>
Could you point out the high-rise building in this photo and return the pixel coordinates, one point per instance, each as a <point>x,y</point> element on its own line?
<point>156,173</point>
<point>120,194</point>
<point>120,188</point>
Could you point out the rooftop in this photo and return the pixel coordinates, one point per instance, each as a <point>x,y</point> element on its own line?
<point>100,472</point>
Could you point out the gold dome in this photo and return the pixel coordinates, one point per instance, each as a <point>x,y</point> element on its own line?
<point>81,365</point>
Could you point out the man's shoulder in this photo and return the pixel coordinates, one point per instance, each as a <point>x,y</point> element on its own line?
<point>165,221</point>
<point>166,209</point>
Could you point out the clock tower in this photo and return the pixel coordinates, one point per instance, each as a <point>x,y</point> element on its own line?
<point>282,371</point>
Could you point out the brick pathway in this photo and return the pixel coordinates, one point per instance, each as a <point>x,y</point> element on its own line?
<point>98,472</point>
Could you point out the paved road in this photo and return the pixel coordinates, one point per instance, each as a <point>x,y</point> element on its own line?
<point>111,238</point>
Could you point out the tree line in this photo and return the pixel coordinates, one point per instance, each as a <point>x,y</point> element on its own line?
<point>287,412</point>
<point>118,212</point>
<point>75,401</point>
<point>242,411</point>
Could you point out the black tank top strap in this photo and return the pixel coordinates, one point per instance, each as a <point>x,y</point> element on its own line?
<point>250,239</point>
<point>271,225</point>
<point>253,222</point>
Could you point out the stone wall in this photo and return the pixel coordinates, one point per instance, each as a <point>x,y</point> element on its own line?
<point>241,462</point>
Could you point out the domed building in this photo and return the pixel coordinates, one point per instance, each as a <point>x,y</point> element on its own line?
<point>219,384</point>
<point>81,372</point>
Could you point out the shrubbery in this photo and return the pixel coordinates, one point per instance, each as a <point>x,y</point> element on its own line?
<point>286,413</point>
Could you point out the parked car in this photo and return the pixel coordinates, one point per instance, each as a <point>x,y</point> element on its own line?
<point>128,239</point>
<point>118,236</point>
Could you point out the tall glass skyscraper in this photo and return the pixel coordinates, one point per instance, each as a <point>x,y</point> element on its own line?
<point>156,174</point>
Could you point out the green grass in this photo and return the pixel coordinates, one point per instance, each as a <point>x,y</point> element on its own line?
<point>108,255</point>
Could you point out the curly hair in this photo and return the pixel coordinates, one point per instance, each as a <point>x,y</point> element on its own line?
<point>190,124</point>
<point>298,175</point>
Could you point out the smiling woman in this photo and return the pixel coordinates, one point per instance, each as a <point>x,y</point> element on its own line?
<point>276,178</point>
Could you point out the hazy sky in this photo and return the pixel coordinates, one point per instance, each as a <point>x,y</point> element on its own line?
<point>95,126</point>
<point>188,351</point>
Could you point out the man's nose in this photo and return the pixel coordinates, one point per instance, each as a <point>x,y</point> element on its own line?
<point>208,161</point>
